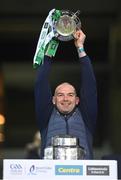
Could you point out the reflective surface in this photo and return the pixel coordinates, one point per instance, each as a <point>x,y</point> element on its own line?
<point>66,25</point>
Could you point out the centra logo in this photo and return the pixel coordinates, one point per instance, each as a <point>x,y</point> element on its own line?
<point>68,170</point>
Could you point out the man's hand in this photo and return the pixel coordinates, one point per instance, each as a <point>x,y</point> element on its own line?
<point>79,38</point>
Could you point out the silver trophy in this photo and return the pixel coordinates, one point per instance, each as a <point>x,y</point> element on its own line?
<point>66,25</point>
<point>64,147</point>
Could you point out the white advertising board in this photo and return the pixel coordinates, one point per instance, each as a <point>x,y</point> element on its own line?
<point>16,169</point>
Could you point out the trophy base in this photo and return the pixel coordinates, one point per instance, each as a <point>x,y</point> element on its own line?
<point>64,147</point>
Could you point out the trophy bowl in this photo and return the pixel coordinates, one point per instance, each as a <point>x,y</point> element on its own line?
<point>66,25</point>
<point>64,147</point>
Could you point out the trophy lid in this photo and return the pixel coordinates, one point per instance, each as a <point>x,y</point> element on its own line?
<point>64,140</point>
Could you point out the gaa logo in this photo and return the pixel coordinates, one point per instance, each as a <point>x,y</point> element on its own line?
<point>15,166</point>
<point>16,169</point>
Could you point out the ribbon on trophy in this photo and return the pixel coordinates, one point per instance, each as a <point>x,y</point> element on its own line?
<point>59,25</point>
<point>46,43</point>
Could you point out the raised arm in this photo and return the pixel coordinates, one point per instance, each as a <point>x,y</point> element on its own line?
<point>88,94</point>
<point>88,90</point>
<point>43,96</point>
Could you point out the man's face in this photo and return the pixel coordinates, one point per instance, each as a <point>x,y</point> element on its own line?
<point>65,98</point>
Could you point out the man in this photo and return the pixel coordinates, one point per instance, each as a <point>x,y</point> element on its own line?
<point>65,113</point>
